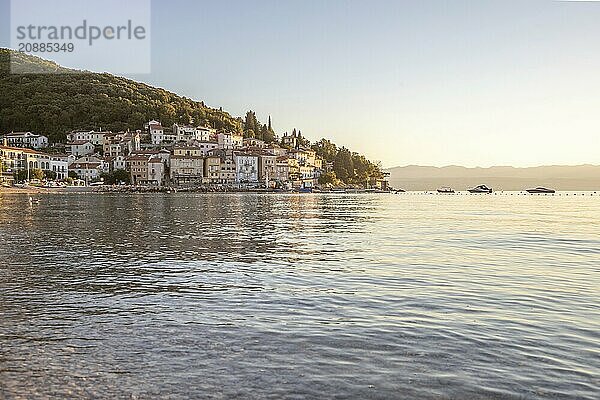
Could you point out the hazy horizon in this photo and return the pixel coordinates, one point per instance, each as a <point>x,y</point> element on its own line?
<point>462,83</point>
<point>559,177</point>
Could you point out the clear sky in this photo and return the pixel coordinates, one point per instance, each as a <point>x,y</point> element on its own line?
<point>475,83</point>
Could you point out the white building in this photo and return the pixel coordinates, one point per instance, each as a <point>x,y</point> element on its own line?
<point>80,148</point>
<point>188,133</point>
<point>253,142</point>
<point>95,137</point>
<point>184,133</point>
<point>26,139</point>
<point>157,133</point>
<point>246,169</point>
<point>116,162</point>
<point>204,134</point>
<point>60,165</point>
<point>88,171</point>
<point>229,141</point>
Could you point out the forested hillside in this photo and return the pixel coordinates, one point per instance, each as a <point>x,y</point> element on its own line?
<point>61,100</point>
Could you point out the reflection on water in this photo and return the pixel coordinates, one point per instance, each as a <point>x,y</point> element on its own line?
<point>291,296</point>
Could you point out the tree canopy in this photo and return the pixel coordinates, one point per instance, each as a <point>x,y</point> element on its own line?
<point>56,103</point>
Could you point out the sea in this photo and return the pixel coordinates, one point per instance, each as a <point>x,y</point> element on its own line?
<point>300,296</point>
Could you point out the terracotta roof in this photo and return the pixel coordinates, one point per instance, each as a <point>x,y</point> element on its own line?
<point>21,149</point>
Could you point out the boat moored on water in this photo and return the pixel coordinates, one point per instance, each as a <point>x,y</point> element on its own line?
<point>481,189</point>
<point>446,190</point>
<point>541,190</point>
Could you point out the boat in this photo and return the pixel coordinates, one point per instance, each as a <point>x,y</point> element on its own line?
<point>305,190</point>
<point>541,190</point>
<point>480,189</point>
<point>446,190</point>
<point>399,191</point>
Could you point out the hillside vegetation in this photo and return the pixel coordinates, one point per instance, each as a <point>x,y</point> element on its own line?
<point>60,100</point>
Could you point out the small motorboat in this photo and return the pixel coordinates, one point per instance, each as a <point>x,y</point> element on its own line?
<point>446,190</point>
<point>541,190</point>
<point>305,190</point>
<point>480,189</point>
<point>399,191</point>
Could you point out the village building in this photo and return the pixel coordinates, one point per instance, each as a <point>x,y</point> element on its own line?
<point>157,132</point>
<point>246,169</point>
<point>116,163</point>
<point>282,171</point>
<point>137,165</point>
<point>212,168</point>
<point>204,134</point>
<point>187,169</point>
<point>267,166</point>
<point>16,159</point>
<point>253,142</point>
<point>189,133</point>
<point>96,138</point>
<point>121,143</point>
<point>196,149</point>
<point>59,164</point>
<point>290,141</point>
<point>227,173</point>
<point>80,148</point>
<point>230,141</point>
<point>87,169</point>
<point>294,171</point>
<point>306,157</point>
<point>13,158</point>
<point>156,171</point>
<point>26,140</point>
<point>277,150</point>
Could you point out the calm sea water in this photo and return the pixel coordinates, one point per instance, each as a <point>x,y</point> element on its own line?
<point>300,296</point>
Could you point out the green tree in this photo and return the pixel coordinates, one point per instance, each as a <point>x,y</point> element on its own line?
<point>116,177</point>
<point>20,176</point>
<point>251,125</point>
<point>325,149</point>
<point>328,178</point>
<point>50,175</point>
<point>37,174</point>
<point>343,165</point>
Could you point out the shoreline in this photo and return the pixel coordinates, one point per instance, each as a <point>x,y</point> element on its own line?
<point>28,190</point>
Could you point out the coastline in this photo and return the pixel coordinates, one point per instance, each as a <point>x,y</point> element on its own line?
<point>27,190</point>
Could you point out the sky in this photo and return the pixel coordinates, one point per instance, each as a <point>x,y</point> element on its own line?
<point>473,83</point>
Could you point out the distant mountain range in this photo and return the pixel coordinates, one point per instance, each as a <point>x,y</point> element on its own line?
<point>414,177</point>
